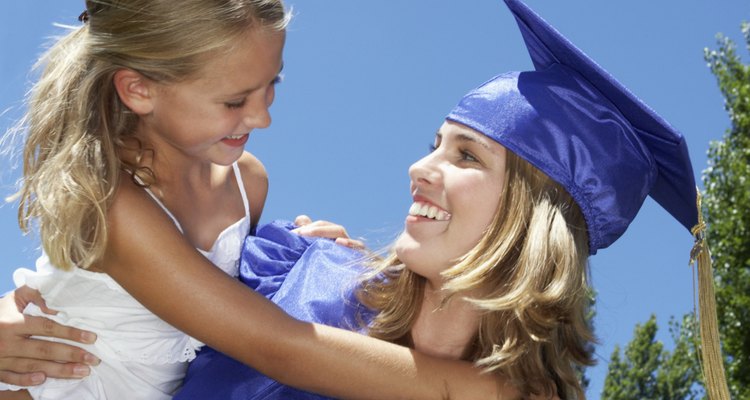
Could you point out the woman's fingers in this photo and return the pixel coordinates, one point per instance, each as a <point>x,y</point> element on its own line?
<point>322,229</point>
<point>25,295</point>
<point>326,229</point>
<point>351,243</point>
<point>25,360</point>
<point>25,371</point>
<point>24,347</point>
<point>302,220</point>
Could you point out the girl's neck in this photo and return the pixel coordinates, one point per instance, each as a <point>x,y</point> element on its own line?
<point>204,198</point>
<point>173,171</point>
<point>444,330</point>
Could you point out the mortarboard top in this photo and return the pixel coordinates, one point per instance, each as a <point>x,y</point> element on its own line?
<point>572,120</point>
<point>575,122</point>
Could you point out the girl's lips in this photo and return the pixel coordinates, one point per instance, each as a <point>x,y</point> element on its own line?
<point>236,141</point>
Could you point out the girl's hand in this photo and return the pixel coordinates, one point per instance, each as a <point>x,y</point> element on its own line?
<point>25,361</point>
<point>306,227</point>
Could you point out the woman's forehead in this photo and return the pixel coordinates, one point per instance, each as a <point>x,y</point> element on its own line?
<point>464,133</point>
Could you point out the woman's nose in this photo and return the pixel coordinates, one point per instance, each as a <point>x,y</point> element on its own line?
<point>425,170</point>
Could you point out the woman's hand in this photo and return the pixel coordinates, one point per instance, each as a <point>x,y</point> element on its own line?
<point>306,227</point>
<point>25,361</point>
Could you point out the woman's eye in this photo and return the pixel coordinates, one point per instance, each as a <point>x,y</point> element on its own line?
<point>235,104</point>
<point>278,79</point>
<point>466,156</point>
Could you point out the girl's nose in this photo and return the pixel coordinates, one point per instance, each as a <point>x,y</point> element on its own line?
<point>258,114</point>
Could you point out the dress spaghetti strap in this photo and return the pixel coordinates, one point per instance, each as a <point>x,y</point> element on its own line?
<point>163,207</point>
<point>241,185</point>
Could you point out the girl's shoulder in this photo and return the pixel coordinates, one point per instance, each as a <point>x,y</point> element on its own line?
<point>131,203</point>
<point>251,167</point>
<point>255,180</point>
<point>132,210</point>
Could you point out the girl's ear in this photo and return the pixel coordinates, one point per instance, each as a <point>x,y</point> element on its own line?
<point>135,91</point>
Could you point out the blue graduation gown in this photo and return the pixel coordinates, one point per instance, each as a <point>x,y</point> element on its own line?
<point>312,279</point>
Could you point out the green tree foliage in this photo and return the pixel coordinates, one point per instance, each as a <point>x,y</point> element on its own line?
<point>634,376</point>
<point>727,207</point>
<point>648,371</point>
<point>678,376</point>
<point>616,384</point>
<point>590,314</point>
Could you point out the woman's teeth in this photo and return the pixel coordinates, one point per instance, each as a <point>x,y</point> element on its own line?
<point>419,209</point>
<point>235,137</point>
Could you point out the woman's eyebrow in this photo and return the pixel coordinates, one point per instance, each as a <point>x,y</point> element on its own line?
<point>469,138</point>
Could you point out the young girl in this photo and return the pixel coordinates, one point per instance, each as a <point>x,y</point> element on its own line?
<point>532,172</point>
<point>135,173</point>
<point>110,114</point>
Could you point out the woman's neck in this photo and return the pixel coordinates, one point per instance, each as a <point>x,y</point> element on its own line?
<point>444,330</point>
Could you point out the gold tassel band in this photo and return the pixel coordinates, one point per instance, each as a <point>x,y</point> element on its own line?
<point>712,363</point>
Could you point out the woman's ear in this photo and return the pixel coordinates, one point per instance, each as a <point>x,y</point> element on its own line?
<point>135,91</point>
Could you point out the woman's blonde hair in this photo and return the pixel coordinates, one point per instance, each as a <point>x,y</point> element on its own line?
<point>76,125</point>
<point>531,270</point>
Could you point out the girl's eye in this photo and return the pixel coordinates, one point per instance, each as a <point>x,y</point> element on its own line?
<point>235,104</point>
<point>432,147</point>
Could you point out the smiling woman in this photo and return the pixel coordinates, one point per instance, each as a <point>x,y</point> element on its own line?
<point>502,282</point>
<point>461,180</point>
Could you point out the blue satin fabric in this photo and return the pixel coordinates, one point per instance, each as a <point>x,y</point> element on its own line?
<point>311,279</point>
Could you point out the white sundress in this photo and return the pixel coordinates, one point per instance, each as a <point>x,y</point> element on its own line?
<point>142,357</point>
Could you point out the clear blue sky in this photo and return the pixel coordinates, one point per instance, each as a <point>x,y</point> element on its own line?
<point>368,83</point>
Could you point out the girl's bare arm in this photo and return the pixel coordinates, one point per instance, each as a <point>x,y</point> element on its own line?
<point>152,261</point>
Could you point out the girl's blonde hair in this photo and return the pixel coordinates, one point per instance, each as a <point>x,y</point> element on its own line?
<point>531,270</point>
<point>77,126</point>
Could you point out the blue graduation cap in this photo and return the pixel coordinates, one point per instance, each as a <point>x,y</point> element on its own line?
<point>572,120</point>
